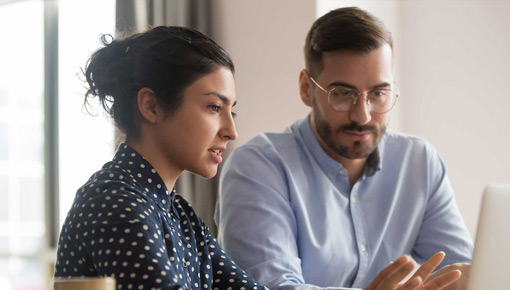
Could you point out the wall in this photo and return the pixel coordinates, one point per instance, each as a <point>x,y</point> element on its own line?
<point>265,39</point>
<point>454,75</point>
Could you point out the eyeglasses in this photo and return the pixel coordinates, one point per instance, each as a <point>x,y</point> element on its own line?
<point>342,99</point>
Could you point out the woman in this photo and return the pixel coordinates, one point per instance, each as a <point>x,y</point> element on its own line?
<point>171,91</point>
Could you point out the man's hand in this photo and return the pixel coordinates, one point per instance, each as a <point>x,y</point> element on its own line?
<point>460,284</point>
<point>390,277</point>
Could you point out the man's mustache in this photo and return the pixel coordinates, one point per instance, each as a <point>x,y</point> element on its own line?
<point>356,127</point>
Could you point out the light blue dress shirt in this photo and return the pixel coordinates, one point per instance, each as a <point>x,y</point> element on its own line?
<point>287,214</point>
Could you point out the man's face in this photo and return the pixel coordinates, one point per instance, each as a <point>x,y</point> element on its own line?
<point>353,134</point>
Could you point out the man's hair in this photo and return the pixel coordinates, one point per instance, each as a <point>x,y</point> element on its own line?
<point>347,28</point>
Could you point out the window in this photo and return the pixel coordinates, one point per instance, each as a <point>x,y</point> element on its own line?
<point>22,228</point>
<point>85,141</point>
<point>26,261</point>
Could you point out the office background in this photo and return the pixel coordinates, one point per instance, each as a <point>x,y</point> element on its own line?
<point>451,63</point>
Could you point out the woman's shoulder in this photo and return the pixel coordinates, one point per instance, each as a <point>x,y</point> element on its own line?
<point>110,194</point>
<point>110,180</point>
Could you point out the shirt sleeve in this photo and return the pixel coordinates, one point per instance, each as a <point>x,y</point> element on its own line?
<point>118,236</point>
<point>256,223</point>
<point>442,227</point>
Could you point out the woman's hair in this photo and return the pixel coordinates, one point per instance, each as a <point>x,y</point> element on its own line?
<point>164,59</point>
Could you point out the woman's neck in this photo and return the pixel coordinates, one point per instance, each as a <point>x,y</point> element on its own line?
<point>157,159</point>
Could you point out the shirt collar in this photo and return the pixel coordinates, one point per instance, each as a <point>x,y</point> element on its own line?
<point>328,164</point>
<point>144,175</point>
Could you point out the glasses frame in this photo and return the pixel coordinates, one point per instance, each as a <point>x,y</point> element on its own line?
<point>355,100</point>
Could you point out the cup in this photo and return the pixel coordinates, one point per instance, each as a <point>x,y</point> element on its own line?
<point>84,283</point>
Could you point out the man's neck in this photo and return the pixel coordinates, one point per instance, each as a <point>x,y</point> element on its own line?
<point>355,167</point>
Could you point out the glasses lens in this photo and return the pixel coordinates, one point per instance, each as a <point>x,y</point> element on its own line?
<point>381,101</point>
<point>341,99</point>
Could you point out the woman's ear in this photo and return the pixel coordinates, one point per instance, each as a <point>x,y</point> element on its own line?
<point>148,105</point>
<point>304,88</point>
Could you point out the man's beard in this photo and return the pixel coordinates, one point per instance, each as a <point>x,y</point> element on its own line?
<point>357,149</point>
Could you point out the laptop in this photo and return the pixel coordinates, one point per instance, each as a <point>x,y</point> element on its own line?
<point>490,268</point>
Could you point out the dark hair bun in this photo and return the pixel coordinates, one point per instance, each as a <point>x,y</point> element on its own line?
<point>164,59</point>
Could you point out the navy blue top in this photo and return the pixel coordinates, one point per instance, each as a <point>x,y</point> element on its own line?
<point>126,224</point>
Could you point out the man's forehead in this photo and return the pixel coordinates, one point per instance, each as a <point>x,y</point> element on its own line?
<point>360,69</point>
<point>347,56</point>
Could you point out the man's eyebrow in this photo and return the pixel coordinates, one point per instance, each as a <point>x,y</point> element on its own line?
<point>223,98</point>
<point>381,85</point>
<point>344,84</point>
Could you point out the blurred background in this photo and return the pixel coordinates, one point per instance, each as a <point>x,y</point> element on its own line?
<point>452,66</point>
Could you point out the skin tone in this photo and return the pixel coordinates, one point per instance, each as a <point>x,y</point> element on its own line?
<point>350,137</point>
<point>391,276</point>
<point>460,284</point>
<point>193,136</point>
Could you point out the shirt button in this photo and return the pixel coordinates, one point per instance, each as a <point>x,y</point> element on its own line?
<point>362,248</point>
<point>184,264</point>
<point>342,171</point>
<point>353,199</point>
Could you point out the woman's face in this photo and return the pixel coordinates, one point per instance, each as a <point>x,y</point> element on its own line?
<point>195,135</point>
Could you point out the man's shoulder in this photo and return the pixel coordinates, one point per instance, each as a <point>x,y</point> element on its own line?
<point>275,140</point>
<point>394,138</point>
<point>398,144</point>
<point>266,148</point>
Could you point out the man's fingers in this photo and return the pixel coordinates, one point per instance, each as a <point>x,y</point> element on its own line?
<point>443,280</point>
<point>413,284</point>
<point>397,276</point>
<point>391,268</point>
<point>429,266</point>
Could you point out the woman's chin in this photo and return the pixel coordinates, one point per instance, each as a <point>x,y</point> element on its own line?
<point>208,173</point>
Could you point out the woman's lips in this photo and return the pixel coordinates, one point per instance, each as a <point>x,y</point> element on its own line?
<point>216,154</point>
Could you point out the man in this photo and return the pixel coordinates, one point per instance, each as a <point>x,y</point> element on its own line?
<point>335,198</point>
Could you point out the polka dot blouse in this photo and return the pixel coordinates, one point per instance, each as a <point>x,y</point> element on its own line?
<point>124,223</point>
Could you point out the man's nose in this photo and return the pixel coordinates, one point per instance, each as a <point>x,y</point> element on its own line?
<point>360,111</point>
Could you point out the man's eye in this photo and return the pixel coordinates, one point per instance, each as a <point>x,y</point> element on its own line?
<point>234,114</point>
<point>342,93</point>
<point>378,94</point>
<point>215,107</point>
